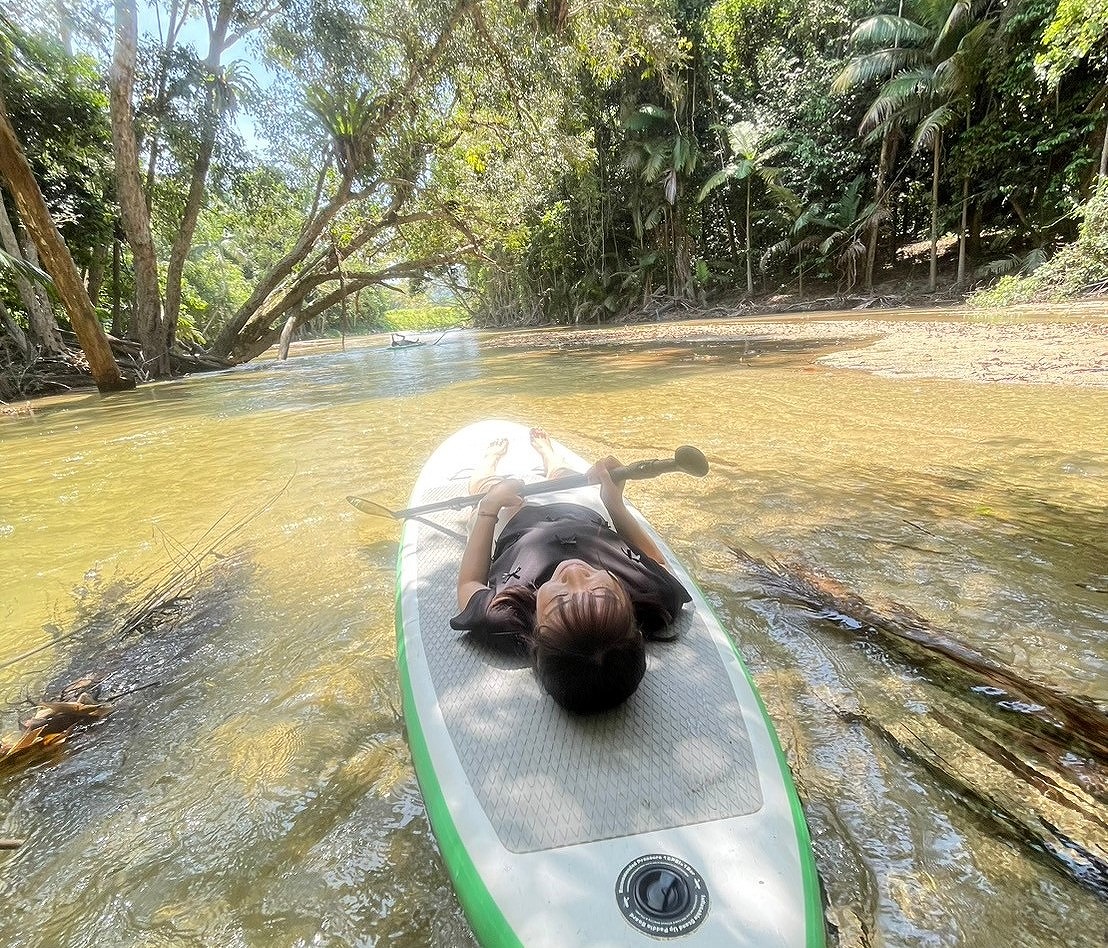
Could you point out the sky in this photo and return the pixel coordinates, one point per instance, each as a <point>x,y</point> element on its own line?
<point>195,34</point>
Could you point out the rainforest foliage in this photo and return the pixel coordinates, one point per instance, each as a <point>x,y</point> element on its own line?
<point>225,170</point>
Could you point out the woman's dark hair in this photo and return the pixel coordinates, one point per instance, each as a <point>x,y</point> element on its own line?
<point>588,654</point>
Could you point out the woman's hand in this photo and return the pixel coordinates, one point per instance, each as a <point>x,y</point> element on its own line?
<point>501,495</point>
<point>622,520</point>
<point>611,493</point>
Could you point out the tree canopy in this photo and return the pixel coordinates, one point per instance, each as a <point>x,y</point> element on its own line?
<point>225,170</point>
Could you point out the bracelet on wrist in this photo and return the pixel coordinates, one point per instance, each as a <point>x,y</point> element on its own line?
<point>485,513</point>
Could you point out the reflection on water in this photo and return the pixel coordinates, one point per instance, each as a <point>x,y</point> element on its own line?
<point>261,793</point>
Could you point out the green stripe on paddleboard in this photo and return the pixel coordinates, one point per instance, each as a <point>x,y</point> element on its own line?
<point>815,933</point>
<point>485,917</point>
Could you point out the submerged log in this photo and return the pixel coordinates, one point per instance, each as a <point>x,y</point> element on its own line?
<point>1039,776</point>
<point>1025,801</point>
<point>1070,719</point>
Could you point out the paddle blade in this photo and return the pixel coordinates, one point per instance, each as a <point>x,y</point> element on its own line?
<point>691,460</point>
<point>371,507</point>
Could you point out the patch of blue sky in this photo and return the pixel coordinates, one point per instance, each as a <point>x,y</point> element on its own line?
<point>152,21</point>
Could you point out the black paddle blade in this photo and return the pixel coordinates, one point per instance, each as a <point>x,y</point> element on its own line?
<point>691,460</point>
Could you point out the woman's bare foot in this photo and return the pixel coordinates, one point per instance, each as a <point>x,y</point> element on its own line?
<point>497,448</point>
<point>551,459</point>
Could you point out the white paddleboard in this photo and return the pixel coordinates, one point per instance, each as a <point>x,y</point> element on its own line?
<point>671,819</point>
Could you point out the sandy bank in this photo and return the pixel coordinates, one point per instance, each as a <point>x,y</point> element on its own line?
<point>1054,349</point>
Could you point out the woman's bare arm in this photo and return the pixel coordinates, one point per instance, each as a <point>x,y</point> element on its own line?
<point>473,573</point>
<point>623,522</point>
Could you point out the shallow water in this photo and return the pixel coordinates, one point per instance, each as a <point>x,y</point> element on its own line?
<point>261,792</point>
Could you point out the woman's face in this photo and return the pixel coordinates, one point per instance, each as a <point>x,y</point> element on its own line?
<point>575,578</point>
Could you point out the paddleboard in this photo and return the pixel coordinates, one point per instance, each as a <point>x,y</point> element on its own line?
<point>671,819</point>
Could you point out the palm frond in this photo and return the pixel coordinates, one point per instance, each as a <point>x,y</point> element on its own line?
<point>952,27</point>
<point>778,249</point>
<point>656,162</point>
<point>885,109</point>
<point>790,201</point>
<point>774,150</point>
<point>24,268</point>
<point>726,173</point>
<point>647,117</point>
<point>933,125</point>
<point>882,64</point>
<point>909,82</point>
<point>670,186</point>
<point>885,29</point>
<point>743,138</point>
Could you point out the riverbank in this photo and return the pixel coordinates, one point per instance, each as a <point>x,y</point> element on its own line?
<point>1062,345</point>
<point>1065,346</point>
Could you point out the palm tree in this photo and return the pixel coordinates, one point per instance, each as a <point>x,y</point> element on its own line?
<point>932,55</point>
<point>835,231</point>
<point>752,149</point>
<point>665,154</point>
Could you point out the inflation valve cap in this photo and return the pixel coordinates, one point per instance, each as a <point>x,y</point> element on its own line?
<point>662,895</point>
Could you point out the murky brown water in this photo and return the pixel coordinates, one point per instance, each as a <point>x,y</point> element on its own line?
<point>261,793</point>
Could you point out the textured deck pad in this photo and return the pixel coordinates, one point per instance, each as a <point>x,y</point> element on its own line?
<point>676,753</point>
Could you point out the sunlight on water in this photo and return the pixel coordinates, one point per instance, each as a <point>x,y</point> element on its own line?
<point>261,792</point>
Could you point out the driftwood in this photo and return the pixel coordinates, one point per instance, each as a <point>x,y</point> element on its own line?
<point>129,641</point>
<point>1040,774</point>
<point>51,374</point>
<point>128,353</point>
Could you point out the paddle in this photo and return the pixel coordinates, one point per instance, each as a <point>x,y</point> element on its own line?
<point>686,458</point>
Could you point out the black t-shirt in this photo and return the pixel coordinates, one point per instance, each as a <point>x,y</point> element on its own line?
<point>539,537</point>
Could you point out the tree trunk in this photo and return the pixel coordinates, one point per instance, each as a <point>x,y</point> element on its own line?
<point>973,241</point>
<point>55,255</point>
<point>65,32</point>
<point>932,281</point>
<point>749,271</point>
<point>963,231</point>
<point>882,174</point>
<point>44,330</point>
<point>19,337</point>
<point>730,221</point>
<point>117,315</point>
<point>1104,154</point>
<point>963,228</point>
<point>146,317</point>
<point>44,307</point>
<point>96,271</point>
<point>209,126</point>
<point>228,339</point>
<point>286,337</point>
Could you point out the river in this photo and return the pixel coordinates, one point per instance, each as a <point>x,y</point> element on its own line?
<point>259,792</point>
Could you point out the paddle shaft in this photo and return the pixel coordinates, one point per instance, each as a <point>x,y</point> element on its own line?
<point>640,470</point>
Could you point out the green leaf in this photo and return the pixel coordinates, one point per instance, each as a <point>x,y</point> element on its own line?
<point>727,173</point>
<point>25,268</point>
